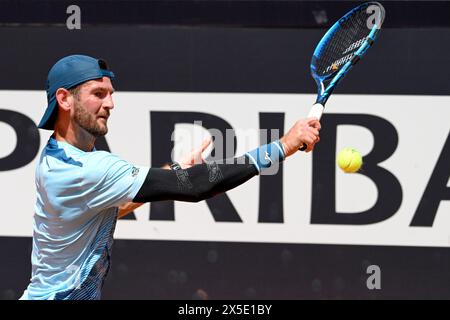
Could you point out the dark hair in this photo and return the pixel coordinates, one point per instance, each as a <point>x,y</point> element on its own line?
<point>75,91</point>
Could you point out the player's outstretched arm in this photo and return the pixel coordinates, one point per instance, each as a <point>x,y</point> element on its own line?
<point>197,183</point>
<point>206,180</point>
<point>187,161</point>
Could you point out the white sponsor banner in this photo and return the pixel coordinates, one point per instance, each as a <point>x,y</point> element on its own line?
<point>422,124</point>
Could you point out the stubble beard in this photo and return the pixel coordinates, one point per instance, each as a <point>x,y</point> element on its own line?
<point>88,121</point>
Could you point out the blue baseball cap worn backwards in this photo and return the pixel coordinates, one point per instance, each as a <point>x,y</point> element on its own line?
<point>67,73</point>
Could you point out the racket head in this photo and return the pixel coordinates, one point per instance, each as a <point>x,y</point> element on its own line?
<point>343,45</point>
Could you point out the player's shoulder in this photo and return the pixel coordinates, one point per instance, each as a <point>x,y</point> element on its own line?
<point>100,155</point>
<point>101,158</point>
<point>101,163</point>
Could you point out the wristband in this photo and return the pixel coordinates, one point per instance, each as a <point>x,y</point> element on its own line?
<point>266,155</point>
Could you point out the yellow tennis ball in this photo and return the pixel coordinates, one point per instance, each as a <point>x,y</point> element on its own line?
<point>349,160</point>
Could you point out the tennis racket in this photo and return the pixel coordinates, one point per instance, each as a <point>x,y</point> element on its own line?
<point>344,44</point>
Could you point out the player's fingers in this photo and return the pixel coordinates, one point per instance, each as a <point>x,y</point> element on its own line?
<point>312,145</point>
<point>308,139</point>
<point>310,148</point>
<point>314,131</point>
<point>313,121</point>
<point>317,125</point>
<point>196,155</point>
<point>313,139</point>
<point>314,134</point>
<point>205,144</point>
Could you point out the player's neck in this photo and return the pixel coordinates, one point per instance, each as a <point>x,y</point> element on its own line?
<point>80,139</point>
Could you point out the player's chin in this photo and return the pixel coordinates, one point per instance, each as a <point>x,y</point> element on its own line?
<point>104,130</point>
<point>101,128</point>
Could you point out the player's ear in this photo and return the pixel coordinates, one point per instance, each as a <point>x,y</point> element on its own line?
<point>64,98</point>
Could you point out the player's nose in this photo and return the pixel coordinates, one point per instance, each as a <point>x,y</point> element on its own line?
<point>108,102</point>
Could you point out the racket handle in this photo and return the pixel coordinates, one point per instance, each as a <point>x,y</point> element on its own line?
<point>316,112</point>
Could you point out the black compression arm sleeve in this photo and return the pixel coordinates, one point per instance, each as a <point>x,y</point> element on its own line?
<point>197,183</point>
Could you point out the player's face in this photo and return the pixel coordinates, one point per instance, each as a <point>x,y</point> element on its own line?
<point>93,105</point>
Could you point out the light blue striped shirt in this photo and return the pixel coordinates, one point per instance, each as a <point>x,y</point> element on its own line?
<point>78,194</point>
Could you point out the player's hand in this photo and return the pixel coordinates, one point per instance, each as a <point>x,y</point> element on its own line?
<point>304,131</point>
<point>195,156</point>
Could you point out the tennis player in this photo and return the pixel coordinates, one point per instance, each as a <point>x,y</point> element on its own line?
<point>81,191</point>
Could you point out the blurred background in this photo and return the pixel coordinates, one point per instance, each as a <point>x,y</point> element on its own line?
<point>248,50</point>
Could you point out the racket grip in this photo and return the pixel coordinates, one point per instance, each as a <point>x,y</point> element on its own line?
<point>316,112</point>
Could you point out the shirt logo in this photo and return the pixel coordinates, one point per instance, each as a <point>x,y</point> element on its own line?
<point>134,172</point>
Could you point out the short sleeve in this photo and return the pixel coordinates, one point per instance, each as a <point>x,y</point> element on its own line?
<point>109,181</point>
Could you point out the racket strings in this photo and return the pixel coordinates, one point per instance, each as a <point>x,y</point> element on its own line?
<point>342,45</point>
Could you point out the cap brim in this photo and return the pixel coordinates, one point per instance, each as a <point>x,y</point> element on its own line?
<point>48,120</point>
